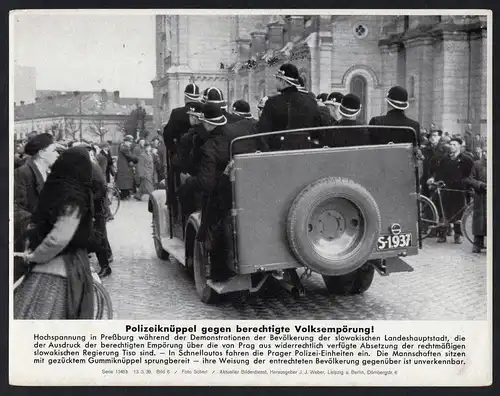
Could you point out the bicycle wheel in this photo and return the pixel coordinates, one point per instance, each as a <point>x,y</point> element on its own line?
<point>114,200</point>
<point>99,302</point>
<point>429,218</point>
<point>467,223</point>
<point>103,300</point>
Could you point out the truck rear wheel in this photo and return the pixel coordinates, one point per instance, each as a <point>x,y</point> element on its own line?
<point>333,225</point>
<point>356,282</point>
<point>160,252</point>
<point>205,292</point>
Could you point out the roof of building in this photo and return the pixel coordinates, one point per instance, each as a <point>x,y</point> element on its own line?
<point>69,105</point>
<point>43,93</point>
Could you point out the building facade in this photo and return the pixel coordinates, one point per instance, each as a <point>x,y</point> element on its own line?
<point>440,60</point>
<point>96,117</point>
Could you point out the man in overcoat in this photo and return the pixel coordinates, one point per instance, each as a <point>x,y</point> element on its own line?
<point>145,173</point>
<point>28,183</point>
<point>478,181</point>
<point>433,153</point>
<point>125,164</point>
<point>453,170</point>
<point>105,161</point>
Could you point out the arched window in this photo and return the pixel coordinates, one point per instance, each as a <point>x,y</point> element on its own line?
<point>245,93</point>
<point>358,87</point>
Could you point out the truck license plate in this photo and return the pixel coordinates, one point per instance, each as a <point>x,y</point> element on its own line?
<point>387,242</point>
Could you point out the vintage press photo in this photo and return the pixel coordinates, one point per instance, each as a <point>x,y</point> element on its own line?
<point>261,177</point>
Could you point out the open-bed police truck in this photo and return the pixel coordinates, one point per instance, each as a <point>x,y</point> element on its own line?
<point>343,211</point>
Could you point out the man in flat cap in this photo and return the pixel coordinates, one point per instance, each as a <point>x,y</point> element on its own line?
<point>28,183</point>
<point>105,161</point>
<point>453,169</point>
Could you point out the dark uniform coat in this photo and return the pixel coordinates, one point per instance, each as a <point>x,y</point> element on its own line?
<point>326,117</point>
<point>397,117</point>
<point>230,117</point>
<point>106,163</point>
<point>213,158</point>
<point>289,110</point>
<point>453,172</point>
<point>190,149</point>
<point>248,126</point>
<point>178,124</point>
<point>244,127</point>
<point>477,180</point>
<point>347,137</point>
<point>125,174</point>
<point>28,183</point>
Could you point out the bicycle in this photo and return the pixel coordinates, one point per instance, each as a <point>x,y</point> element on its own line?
<point>103,302</point>
<point>429,215</point>
<point>113,194</point>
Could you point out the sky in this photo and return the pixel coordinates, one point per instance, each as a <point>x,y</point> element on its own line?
<point>88,52</point>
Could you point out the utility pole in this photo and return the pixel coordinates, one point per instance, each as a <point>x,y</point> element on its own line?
<point>33,117</point>
<point>81,132</point>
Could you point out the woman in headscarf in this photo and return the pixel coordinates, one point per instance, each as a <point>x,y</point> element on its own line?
<point>59,282</point>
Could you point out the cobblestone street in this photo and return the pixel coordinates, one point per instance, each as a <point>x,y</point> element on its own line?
<point>449,283</point>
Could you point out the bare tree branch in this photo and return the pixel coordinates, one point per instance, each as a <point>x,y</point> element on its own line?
<point>72,130</point>
<point>97,129</point>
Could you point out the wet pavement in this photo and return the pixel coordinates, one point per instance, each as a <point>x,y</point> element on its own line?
<point>449,283</point>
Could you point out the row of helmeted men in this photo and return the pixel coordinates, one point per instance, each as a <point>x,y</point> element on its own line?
<point>199,134</point>
<point>294,107</point>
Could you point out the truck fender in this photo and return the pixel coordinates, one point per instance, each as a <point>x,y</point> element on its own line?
<point>157,206</point>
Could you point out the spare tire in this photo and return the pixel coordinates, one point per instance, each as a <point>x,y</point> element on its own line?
<point>333,226</point>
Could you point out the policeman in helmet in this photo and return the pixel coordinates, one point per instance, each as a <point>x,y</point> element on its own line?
<point>290,109</point>
<point>214,95</point>
<point>397,102</point>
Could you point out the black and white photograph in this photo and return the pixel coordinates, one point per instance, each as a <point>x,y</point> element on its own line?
<point>250,166</point>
